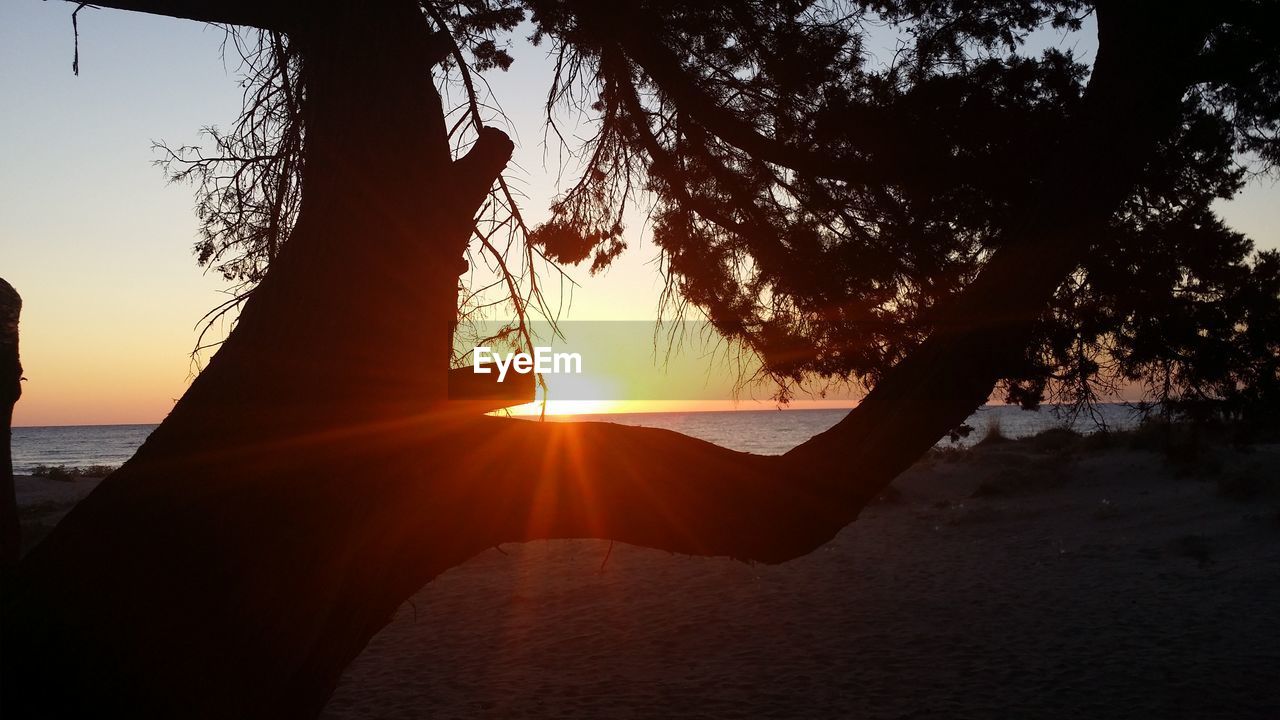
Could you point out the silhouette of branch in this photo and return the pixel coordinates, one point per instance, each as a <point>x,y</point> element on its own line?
<point>758,235</point>
<point>481,166</point>
<point>637,38</point>
<point>265,14</point>
<point>644,486</point>
<point>983,332</point>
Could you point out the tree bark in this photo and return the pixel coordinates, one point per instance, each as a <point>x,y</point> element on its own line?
<point>266,14</point>
<point>10,391</point>
<point>312,478</point>
<point>209,576</point>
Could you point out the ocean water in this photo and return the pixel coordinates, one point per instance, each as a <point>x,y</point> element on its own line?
<point>773,432</point>
<point>75,445</point>
<point>767,432</point>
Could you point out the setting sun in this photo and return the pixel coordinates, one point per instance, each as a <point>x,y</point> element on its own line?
<point>556,359</point>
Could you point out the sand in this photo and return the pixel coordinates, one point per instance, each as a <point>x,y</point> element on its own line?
<point>1004,582</point>
<point>43,502</point>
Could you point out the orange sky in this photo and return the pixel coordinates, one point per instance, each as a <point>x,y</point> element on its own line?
<point>99,245</point>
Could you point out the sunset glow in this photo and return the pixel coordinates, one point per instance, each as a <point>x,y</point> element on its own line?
<point>565,359</point>
<point>113,297</point>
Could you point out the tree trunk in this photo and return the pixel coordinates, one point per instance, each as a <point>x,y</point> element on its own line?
<point>207,577</point>
<point>10,391</point>
<point>312,478</point>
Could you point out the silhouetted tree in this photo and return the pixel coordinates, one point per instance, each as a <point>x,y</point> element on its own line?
<point>10,391</point>
<point>823,210</point>
<point>961,217</point>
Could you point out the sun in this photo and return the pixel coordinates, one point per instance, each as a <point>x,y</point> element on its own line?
<point>568,407</point>
<point>578,394</point>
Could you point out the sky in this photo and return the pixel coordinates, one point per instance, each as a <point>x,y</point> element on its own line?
<point>99,244</point>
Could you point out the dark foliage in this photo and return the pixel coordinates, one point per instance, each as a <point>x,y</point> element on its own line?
<point>821,203</point>
<point>821,206</point>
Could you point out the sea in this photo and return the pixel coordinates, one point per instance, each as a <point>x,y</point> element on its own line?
<point>766,432</point>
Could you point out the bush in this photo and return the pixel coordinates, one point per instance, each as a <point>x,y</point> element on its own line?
<point>995,433</point>
<point>1152,434</point>
<point>946,454</point>
<point>63,473</point>
<point>1100,440</point>
<point>56,472</point>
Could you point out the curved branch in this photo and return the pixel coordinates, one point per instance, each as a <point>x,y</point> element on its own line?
<point>661,489</point>
<point>645,486</point>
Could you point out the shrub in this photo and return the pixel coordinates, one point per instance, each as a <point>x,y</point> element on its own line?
<point>66,474</point>
<point>1154,435</point>
<point>995,433</point>
<point>1100,440</point>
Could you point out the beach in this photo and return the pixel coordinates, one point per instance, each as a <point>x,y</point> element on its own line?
<point>1032,578</point>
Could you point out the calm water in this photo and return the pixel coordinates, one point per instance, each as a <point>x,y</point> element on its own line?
<point>763,431</point>
<point>773,432</point>
<point>75,445</point>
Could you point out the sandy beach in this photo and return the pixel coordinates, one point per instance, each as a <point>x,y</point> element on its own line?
<point>1014,580</point>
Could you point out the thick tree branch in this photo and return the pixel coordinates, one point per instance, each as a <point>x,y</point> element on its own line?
<point>266,14</point>
<point>660,489</point>
<point>247,538</point>
<point>1132,103</point>
<point>282,512</point>
<point>478,170</point>
<point>643,486</point>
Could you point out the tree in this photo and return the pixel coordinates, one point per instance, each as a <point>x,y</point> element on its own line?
<point>10,391</point>
<point>314,475</point>
<point>822,210</point>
